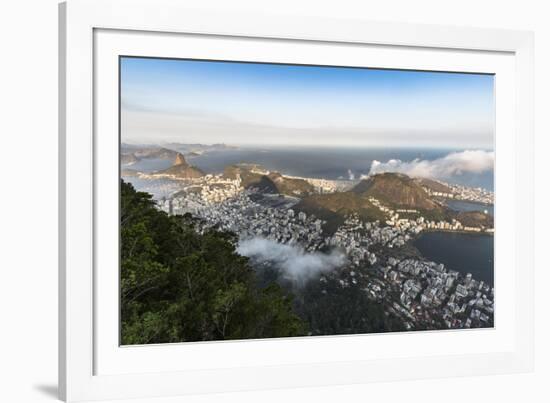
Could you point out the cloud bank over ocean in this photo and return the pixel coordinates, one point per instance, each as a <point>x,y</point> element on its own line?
<point>453,164</point>
<point>297,265</point>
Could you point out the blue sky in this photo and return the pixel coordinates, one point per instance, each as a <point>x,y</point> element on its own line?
<point>249,103</point>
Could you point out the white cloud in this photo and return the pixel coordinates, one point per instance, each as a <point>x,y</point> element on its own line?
<point>296,264</point>
<point>454,164</point>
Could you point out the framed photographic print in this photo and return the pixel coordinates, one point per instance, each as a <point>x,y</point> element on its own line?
<point>253,202</point>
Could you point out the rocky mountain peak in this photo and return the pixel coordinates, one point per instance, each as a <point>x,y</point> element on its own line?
<point>180,160</point>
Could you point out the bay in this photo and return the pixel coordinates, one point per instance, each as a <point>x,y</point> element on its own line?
<point>465,253</point>
<point>462,205</point>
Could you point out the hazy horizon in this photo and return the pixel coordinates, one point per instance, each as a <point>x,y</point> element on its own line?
<point>258,146</point>
<point>252,104</point>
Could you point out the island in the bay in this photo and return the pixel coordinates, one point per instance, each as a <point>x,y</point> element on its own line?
<point>264,200</point>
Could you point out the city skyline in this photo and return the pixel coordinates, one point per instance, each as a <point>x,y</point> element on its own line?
<point>168,100</point>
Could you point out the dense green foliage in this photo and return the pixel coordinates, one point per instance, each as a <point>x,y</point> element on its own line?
<point>334,207</point>
<point>178,285</point>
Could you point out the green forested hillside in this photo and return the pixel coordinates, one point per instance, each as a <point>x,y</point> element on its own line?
<point>178,285</point>
<point>396,190</point>
<point>334,207</point>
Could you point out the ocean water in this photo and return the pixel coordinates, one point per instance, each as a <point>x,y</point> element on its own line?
<point>328,163</point>
<point>465,253</point>
<point>150,165</point>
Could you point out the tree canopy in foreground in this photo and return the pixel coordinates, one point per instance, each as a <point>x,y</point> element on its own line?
<point>178,285</point>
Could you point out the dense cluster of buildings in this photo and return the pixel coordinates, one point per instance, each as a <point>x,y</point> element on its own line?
<point>356,236</point>
<point>429,292</point>
<point>248,218</point>
<point>477,195</point>
<point>459,192</point>
<point>207,190</point>
<point>419,223</point>
<point>423,294</point>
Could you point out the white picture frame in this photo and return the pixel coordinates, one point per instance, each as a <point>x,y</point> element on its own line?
<point>92,366</point>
